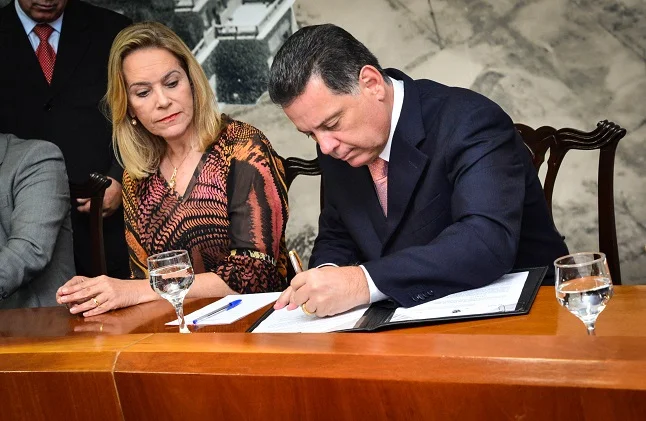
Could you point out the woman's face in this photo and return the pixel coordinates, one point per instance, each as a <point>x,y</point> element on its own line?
<point>159,93</point>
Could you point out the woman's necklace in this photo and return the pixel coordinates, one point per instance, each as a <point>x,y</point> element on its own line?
<point>172,180</point>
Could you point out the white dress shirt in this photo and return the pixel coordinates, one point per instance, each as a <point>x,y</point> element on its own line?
<point>29,24</point>
<point>398,102</point>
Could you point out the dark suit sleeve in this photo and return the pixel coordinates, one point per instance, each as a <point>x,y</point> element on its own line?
<point>333,243</point>
<point>484,166</point>
<point>41,205</point>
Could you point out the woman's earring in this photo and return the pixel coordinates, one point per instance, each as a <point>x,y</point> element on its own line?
<point>133,121</point>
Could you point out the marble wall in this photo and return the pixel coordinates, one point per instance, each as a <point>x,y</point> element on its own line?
<point>546,62</point>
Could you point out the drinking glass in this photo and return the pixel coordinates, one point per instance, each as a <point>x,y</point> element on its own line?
<point>583,285</point>
<point>171,275</point>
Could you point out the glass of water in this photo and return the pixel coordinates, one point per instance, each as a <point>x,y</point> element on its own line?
<point>583,285</point>
<point>171,275</point>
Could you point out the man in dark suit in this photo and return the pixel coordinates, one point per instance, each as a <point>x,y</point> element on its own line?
<point>429,190</point>
<point>52,91</point>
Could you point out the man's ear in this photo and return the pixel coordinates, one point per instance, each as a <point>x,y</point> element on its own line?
<point>372,82</point>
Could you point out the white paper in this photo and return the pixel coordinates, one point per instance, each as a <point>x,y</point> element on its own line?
<point>249,304</point>
<point>295,321</point>
<point>499,296</point>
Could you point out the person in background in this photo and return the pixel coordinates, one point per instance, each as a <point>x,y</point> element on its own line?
<point>36,255</point>
<point>443,194</point>
<point>53,76</point>
<point>194,179</point>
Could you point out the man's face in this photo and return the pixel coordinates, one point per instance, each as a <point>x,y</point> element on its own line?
<point>353,128</point>
<point>43,11</point>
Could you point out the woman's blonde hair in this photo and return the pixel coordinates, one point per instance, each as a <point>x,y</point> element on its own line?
<point>138,150</point>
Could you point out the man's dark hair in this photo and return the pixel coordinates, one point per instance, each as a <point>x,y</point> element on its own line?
<point>327,51</point>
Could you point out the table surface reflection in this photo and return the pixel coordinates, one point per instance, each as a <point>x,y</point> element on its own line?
<point>620,318</point>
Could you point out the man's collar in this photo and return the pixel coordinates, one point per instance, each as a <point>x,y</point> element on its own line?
<point>29,24</point>
<point>398,102</point>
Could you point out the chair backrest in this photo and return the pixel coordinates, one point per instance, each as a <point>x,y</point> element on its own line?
<point>293,168</point>
<point>605,138</point>
<point>94,188</point>
<point>298,166</point>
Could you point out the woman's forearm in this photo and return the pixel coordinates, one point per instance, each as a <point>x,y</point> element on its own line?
<point>209,285</point>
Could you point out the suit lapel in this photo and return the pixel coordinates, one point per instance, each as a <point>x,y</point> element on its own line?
<point>72,46</point>
<point>407,162</point>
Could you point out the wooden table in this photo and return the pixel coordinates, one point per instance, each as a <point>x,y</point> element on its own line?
<point>128,365</point>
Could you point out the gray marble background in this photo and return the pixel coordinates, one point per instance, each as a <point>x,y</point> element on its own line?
<point>546,62</point>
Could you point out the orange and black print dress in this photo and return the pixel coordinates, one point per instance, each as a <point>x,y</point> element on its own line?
<point>231,218</point>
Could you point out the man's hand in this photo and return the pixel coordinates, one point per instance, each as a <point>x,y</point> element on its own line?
<point>111,200</point>
<point>326,291</point>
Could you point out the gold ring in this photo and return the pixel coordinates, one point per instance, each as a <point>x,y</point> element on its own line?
<point>96,302</point>
<point>101,328</point>
<point>305,310</point>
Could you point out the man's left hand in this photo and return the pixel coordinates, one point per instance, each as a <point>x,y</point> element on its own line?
<point>326,291</point>
<point>111,200</point>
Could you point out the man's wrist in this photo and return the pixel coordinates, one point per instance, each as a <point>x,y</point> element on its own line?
<point>375,294</point>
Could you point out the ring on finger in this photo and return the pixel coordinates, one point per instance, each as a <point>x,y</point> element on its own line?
<point>96,302</point>
<point>305,310</point>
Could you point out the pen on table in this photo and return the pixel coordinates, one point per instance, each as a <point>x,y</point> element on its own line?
<point>218,310</point>
<point>296,261</point>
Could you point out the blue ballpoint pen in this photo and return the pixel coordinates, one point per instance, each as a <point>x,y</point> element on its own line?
<point>219,310</point>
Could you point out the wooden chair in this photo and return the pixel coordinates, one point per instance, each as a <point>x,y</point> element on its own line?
<point>293,168</point>
<point>298,166</point>
<point>605,138</point>
<point>94,188</point>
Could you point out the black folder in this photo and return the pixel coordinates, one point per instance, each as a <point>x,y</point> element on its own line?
<point>377,316</point>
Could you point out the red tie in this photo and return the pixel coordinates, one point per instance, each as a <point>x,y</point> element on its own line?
<point>45,52</point>
<point>379,172</point>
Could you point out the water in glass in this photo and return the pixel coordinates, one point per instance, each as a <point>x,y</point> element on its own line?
<point>172,282</point>
<point>583,285</point>
<point>171,275</point>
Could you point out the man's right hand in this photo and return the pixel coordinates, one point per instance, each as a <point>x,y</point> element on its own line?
<point>326,291</point>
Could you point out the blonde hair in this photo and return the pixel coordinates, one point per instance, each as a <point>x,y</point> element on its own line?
<point>138,150</point>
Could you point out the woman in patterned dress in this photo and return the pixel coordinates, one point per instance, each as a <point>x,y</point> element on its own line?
<point>194,179</point>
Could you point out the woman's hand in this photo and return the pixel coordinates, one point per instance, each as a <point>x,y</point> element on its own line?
<point>92,296</point>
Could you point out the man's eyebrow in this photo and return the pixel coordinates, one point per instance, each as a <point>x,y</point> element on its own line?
<point>166,76</point>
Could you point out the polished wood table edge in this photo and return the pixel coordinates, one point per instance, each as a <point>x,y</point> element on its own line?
<point>410,344</point>
<point>64,354</point>
<point>85,343</point>
<point>487,358</point>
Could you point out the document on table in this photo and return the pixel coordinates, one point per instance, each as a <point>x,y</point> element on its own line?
<point>295,321</point>
<point>249,304</point>
<point>499,296</point>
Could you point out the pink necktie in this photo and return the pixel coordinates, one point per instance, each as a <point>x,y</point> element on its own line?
<point>379,172</point>
<point>45,52</point>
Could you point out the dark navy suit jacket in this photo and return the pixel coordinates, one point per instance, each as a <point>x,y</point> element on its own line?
<point>465,205</point>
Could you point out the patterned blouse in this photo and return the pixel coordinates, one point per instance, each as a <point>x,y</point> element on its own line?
<point>231,218</point>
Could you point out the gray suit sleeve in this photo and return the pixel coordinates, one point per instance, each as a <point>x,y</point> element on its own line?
<point>41,205</point>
